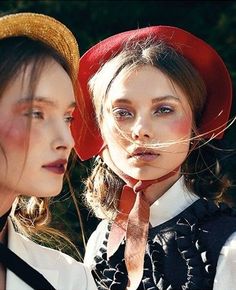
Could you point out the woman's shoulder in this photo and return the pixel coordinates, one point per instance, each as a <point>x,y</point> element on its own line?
<point>20,244</point>
<point>95,242</point>
<point>55,265</point>
<point>100,231</point>
<point>73,272</point>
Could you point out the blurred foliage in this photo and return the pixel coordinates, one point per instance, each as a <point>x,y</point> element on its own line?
<point>91,21</point>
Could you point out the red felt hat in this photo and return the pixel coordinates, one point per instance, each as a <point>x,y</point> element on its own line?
<point>202,56</point>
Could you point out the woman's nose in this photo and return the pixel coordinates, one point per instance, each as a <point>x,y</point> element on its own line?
<point>141,131</point>
<point>63,138</point>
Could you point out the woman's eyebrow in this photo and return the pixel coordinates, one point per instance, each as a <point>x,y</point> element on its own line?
<point>36,99</point>
<point>73,105</point>
<point>122,100</point>
<point>42,100</point>
<point>165,98</point>
<point>154,100</point>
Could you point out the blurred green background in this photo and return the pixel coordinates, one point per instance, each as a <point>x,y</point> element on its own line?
<point>91,21</point>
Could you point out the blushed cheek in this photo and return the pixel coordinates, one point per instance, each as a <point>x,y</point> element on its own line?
<point>14,134</point>
<point>182,126</point>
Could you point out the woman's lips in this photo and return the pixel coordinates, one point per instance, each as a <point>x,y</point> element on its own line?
<point>144,155</point>
<point>57,167</point>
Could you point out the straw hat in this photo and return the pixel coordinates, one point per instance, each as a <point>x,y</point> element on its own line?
<point>46,29</point>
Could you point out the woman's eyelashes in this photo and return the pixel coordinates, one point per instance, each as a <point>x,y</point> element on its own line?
<point>34,113</point>
<point>40,114</point>
<point>124,113</point>
<point>163,110</point>
<point>69,118</point>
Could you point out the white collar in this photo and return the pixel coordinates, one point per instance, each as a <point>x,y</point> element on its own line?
<point>31,253</point>
<point>171,203</point>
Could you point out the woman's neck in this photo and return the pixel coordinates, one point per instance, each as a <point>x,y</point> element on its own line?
<point>5,207</point>
<point>7,200</point>
<point>156,190</point>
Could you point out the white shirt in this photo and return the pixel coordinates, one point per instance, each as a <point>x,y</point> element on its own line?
<point>62,271</point>
<point>160,211</point>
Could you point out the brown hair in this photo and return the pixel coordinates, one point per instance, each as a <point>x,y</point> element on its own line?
<point>30,215</point>
<point>103,187</point>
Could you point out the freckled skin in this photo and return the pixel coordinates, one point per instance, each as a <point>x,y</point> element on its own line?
<point>140,90</point>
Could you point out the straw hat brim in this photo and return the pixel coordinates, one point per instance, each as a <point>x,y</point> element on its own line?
<point>43,28</point>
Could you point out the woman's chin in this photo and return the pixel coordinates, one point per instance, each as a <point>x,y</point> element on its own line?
<point>148,173</point>
<point>50,192</point>
<point>144,175</point>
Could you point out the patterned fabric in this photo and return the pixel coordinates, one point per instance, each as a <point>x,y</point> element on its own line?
<point>181,254</point>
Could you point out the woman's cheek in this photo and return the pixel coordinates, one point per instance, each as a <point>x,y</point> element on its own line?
<point>14,133</point>
<point>182,127</point>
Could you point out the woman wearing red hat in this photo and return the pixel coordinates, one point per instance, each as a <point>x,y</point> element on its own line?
<point>38,67</point>
<point>155,100</point>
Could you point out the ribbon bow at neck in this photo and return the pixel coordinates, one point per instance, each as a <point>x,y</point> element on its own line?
<point>132,223</point>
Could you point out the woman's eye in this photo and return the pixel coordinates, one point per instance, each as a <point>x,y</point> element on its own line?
<point>121,114</point>
<point>34,114</point>
<point>163,110</point>
<point>69,119</point>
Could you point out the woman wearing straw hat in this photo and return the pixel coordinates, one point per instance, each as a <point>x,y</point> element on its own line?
<point>157,99</point>
<point>38,67</point>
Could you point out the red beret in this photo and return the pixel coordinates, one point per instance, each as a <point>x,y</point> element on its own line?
<point>204,58</point>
